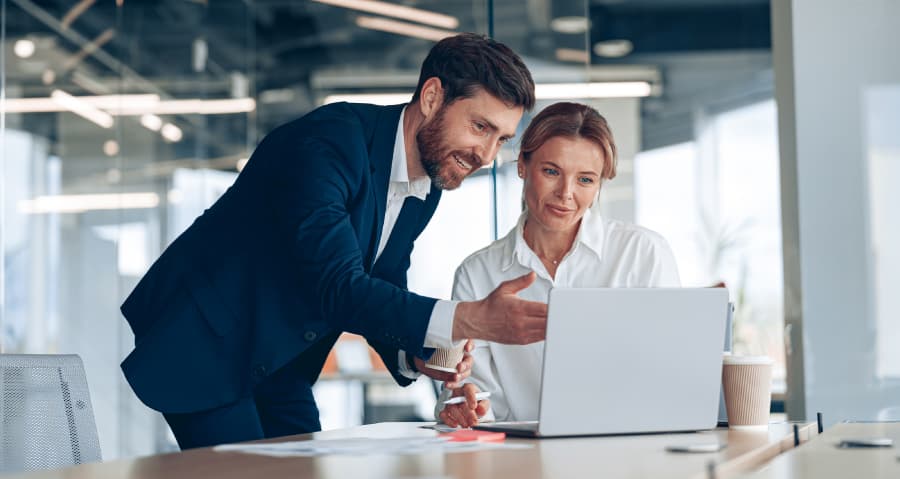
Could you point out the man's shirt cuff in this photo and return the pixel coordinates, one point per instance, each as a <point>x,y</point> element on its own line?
<point>440,327</point>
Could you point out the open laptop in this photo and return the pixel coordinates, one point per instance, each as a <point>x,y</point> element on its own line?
<point>626,361</point>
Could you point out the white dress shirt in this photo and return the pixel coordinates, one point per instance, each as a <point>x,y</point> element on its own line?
<point>605,253</point>
<point>440,326</point>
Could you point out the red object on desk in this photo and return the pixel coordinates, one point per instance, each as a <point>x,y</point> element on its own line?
<point>463,435</point>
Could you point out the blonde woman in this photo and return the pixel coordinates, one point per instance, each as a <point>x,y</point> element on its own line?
<point>567,152</point>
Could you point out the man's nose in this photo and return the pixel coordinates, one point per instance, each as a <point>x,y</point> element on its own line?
<point>488,151</point>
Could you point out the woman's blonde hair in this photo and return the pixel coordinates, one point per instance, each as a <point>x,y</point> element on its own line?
<point>572,120</point>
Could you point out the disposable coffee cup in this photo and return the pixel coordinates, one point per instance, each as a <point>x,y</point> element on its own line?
<point>746,382</point>
<point>446,359</point>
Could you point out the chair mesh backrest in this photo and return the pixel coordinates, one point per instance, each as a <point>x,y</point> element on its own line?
<point>46,419</point>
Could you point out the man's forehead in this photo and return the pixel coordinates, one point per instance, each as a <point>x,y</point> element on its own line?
<point>501,115</point>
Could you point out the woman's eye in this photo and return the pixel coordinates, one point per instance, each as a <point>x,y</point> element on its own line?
<point>551,171</point>
<point>585,180</point>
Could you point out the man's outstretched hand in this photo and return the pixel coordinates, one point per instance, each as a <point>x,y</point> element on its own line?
<point>502,316</point>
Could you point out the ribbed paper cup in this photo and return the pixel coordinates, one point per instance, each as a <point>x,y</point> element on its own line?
<point>746,381</point>
<point>446,359</point>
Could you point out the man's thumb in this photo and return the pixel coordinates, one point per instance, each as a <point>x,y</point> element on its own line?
<point>518,284</point>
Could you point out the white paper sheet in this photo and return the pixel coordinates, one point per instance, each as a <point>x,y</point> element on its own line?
<point>364,446</point>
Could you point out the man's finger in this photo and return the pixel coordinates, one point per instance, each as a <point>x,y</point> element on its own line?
<point>470,345</point>
<point>465,365</point>
<point>518,284</point>
<point>534,309</point>
<point>483,407</point>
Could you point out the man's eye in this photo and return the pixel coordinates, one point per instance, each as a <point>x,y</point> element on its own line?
<point>479,126</point>
<point>503,141</point>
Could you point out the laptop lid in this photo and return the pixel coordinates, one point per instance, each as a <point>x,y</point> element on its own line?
<point>628,360</point>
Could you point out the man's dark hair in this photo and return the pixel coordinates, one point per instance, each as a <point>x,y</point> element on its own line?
<point>468,61</point>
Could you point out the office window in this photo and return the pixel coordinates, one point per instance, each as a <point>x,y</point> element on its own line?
<point>716,200</point>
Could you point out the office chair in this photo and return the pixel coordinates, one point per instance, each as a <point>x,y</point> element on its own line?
<point>46,419</point>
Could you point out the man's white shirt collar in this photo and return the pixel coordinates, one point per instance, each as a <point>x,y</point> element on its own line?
<point>418,187</point>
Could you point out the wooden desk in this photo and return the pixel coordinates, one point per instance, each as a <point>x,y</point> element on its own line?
<point>822,459</point>
<point>619,456</point>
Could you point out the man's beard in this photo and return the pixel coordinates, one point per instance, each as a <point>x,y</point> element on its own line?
<point>436,155</point>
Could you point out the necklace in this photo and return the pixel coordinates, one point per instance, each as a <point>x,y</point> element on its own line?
<point>554,261</point>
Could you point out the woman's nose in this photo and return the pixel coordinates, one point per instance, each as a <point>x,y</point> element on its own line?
<point>565,190</point>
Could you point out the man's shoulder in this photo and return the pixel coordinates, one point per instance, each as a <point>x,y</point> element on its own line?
<point>339,119</point>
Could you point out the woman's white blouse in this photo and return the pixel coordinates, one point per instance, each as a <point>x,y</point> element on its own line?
<point>606,253</point>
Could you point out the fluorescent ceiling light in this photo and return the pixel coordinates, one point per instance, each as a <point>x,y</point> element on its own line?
<point>136,105</point>
<point>613,48</point>
<point>560,91</point>
<point>397,11</point>
<point>23,48</point>
<point>171,132</point>
<point>572,55</point>
<point>571,25</point>
<point>373,98</point>
<point>82,108</point>
<point>403,28</point>
<point>193,106</point>
<point>82,203</point>
<point>545,91</point>
<point>151,122</point>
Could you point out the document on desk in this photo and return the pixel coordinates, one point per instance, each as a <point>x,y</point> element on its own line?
<point>364,446</point>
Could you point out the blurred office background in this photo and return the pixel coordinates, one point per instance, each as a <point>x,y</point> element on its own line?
<point>121,120</point>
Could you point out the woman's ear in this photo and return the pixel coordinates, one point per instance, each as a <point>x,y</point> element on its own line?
<point>520,166</point>
<point>432,97</point>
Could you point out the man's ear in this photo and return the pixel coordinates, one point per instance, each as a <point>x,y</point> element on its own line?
<point>432,97</point>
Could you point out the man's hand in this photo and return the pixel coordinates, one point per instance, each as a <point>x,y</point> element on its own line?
<point>502,316</point>
<point>451,380</point>
<point>467,413</point>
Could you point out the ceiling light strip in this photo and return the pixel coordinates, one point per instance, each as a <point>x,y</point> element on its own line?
<point>403,28</point>
<point>82,203</point>
<point>83,109</point>
<point>560,91</point>
<point>544,91</point>
<point>140,104</point>
<point>397,11</point>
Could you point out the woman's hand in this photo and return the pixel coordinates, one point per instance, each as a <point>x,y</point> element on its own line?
<point>465,414</point>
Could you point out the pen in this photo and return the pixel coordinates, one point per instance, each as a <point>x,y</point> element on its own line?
<point>462,399</point>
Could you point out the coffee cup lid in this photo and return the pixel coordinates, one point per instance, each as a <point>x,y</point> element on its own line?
<point>732,359</point>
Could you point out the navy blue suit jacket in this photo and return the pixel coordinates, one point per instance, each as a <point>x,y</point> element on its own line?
<point>280,265</point>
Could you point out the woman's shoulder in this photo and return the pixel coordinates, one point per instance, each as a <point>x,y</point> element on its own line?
<point>625,233</point>
<point>488,257</point>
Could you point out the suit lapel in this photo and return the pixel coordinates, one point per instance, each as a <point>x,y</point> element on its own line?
<point>381,155</point>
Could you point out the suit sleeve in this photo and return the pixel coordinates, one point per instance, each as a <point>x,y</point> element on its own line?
<point>314,191</point>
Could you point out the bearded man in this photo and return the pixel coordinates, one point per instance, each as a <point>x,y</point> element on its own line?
<point>234,321</point>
